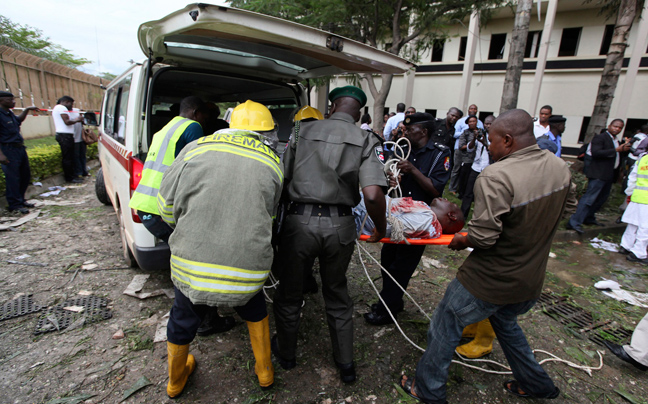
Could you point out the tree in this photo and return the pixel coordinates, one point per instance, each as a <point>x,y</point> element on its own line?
<point>403,27</point>
<point>31,40</point>
<point>516,56</point>
<point>626,11</point>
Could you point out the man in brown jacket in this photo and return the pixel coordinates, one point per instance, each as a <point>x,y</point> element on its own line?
<point>511,231</point>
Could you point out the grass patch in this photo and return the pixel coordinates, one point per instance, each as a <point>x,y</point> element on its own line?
<point>42,141</point>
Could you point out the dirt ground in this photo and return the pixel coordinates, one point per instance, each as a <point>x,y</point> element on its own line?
<point>86,365</point>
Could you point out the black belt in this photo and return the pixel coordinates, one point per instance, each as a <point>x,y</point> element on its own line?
<point>319,209</point>
<point>14,144</point>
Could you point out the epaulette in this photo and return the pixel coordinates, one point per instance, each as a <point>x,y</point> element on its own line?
<point>441,146</point>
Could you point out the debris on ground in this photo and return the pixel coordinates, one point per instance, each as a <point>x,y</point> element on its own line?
<point>31,216</point>
<point>161,331</point>
<point>134,289</point>
<point>139,384</point>
<point>604,245</point>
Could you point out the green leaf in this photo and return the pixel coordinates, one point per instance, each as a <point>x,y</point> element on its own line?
<point>140,384</point>
<point>621,391</point>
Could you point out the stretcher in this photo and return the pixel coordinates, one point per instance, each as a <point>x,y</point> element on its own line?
<point>445,239</point>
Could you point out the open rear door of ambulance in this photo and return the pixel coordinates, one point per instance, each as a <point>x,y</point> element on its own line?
<point>244,42</point>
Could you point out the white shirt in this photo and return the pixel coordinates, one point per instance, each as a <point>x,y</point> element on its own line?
<point>59,125</point>
<point>392,123</point>
<point>482,158</point>
<point>539,130</point>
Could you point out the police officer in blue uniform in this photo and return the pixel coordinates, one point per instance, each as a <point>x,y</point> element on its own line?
<point>13,156</point>
<point>423,176</point>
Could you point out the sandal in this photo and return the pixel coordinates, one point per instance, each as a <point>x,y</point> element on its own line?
<point>407,385</point>
<point>513,387</point>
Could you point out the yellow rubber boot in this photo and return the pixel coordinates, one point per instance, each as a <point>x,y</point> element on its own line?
<point>181,365</point>
<point>482,344</point>
<point>469,331</point>
<point>260,340</point>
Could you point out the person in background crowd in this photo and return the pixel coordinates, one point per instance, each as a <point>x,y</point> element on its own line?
<point>392,124</point>
<point>410,111</point>
<point>635,237</point>
<point>13,155</point>
<point>64,126</point>
<point>604,150</point>
<point>482,160</point>
<point>541,125</point>
<point>636,353</point>
<point>366,122</point>
<point>80,148</point>
<point>460,127</point>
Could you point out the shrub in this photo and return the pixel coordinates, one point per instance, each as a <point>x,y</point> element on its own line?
<point>45,161</point>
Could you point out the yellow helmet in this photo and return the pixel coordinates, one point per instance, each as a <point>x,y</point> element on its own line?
<point>308,112</point>
<point>252,116</point>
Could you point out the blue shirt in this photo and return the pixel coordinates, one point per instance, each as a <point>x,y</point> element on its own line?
<point>192,132</point>
<point>556,140</point>
<point>433,161</point>
<point>9,127</point>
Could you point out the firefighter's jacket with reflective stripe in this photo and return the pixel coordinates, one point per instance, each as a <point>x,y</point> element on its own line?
<point>221,195</point>
<point>160,156</point>
<point>640,193</point>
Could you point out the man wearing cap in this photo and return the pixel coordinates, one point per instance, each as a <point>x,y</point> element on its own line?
<point>13,156</point>
<point>556,129</point>
<point>423,176</point>
<point>323,172</point>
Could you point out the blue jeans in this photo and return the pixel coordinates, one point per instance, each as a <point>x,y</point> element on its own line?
<point>460,308</point>
<point>595,196</point>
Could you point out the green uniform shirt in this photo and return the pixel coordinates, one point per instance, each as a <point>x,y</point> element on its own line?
<point>330,161</point>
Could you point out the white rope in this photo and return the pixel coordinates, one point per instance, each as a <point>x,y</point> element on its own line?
<point>391,166</point>
<point>553,358</point>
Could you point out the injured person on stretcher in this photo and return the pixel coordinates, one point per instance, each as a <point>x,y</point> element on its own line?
<point>410,219</point>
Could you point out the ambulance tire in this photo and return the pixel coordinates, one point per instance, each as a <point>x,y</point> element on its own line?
<point>100,188</point>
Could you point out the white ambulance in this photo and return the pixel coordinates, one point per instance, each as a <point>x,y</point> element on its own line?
<point>223,55</point>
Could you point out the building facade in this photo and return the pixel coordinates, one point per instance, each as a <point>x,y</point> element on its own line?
<point>575,54</point>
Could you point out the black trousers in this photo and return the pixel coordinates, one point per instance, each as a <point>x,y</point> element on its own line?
<point>469,195</point>
<point>401,262</point>
<point>17,174</point>
<point>66,141</point>
<point>331,240</point>
<point>185,317</point>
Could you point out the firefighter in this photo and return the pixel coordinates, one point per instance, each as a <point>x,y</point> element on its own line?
<point>220,195</point>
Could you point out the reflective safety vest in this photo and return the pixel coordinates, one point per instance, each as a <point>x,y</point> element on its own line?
<point>640,193</point>
<point>160,156</point>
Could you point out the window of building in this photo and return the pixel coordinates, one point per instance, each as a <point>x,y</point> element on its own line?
<point>569,41</point>
<point>607,39</point>
<point>437,50</point>
<point>463,42</point>
<point>583,130</point>
<point>483,114</point>
<point>532,44</point>
<point>497,44</point>
<point>432,112</point>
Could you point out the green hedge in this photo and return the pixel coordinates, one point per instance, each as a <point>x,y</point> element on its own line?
<point>45,161</point>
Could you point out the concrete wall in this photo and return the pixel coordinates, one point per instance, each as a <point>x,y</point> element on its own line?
<point>34,127</point>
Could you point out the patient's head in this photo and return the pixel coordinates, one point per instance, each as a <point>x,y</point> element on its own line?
<point>448,214</point>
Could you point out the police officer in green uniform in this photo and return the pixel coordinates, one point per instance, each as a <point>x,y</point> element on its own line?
<point>324,169</point>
